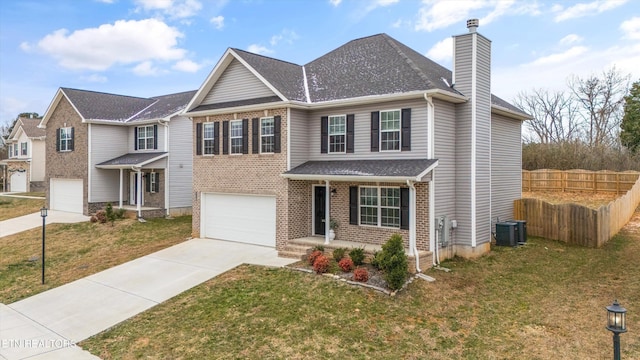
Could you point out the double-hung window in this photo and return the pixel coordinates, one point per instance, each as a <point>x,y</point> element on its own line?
<point>146,139</point>
<point>390,130</point>
<point>66,138</point>
<point>236,136</point>
<point>15,150</point>
<point>380,206</point>
<point>267,139</point>
<point>337,133</point>
<point>23,149</point>
<point>208,138</point>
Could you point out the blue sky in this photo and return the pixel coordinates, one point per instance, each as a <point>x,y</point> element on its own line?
<point>155,47</point>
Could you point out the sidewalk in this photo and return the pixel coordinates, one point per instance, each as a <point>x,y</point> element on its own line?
<point>31,221</point>
<point>61,317</point>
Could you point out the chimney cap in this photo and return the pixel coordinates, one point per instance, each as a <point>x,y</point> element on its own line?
<point>472,24</point>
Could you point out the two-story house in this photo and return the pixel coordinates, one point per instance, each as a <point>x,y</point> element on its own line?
<point>372,135</point>
<point>132,152</point>
<point>26,156</point>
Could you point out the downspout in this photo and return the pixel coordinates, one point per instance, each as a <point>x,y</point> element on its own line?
<point>413,247</point>
<point>166,170</point>
<point>139,188</point>
<point>327,216</point>
<point>432,185</point>
<point>121,190</point>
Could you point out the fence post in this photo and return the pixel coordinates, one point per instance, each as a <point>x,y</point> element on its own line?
<point>617,183</point>
<point>595,182</point>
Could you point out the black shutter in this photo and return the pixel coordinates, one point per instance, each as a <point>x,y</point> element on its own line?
<point>147,182</point>
<point>404,208</point>
<point>155,137</point>
<point>353,205</point>
<point>225,137</point>
<point>245,136</point>
<point>71,143</point>
<point>216,138</point>
<point>199,139</point>
<point>406,129</point>
<point>157,189</point>
<point>324,134</point>
<point>57,140</point>
<point>277,121</point>
<point>135,138</point>
<point>375,131</point>
<point>350,125</point>
<point>255,139</point>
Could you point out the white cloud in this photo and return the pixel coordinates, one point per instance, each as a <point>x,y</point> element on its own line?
<point>123,42</point>
<point>631,28</point>
<point>585,9</point>
<point>187,66</point>
<point>106,1</point>
<point>25,46</point>
<point>146,68</point>
<point>173,8</point>
<point>562,57</point>
<point>335,2</point>
<point>94,78</point>
<point>288,36</point>
<point>442,50</point>
<point>218,21</point>
<point>258,49</point>
<point>571,39</point>
<point>379,3</point>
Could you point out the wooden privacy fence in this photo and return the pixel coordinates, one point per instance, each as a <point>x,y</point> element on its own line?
<point>578,180</point>
<point>577,224</point>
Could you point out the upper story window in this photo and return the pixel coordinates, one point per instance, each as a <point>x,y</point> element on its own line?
<point>267,138</point>
<point>208,138</point>
<point>15,150</point>
<point>390,130</point>
<point>23,149</point>
<point>64,139</point>
<point>236,136</point>
<point>146,137</point>
<point>337,133</point>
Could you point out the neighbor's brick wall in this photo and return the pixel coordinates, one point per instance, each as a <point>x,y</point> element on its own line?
<point>69,164</point>
<point>300,216</point>
<point>243,174</point>
<point>12,167</point>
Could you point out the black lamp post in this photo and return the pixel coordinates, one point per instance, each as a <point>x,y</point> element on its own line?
<point>617,324</point>
<point>43,213</point>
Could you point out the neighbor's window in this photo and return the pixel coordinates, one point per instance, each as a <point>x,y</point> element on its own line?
<point>146,140</point>
<point>380,206</point>
<point>236,137</point>
<point>390,130</point>
<point>337,133</point>
<point>208,138</point>
<point>65,139</point>
<point>23,149</point>
<point>267,143</point>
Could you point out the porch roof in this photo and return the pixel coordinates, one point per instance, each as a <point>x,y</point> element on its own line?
<point>364,170</point>
<point>127,161</point>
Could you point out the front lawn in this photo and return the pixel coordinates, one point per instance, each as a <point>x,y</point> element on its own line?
<point>540,301</point>
<point>74,251</point>
<point>11,207</point>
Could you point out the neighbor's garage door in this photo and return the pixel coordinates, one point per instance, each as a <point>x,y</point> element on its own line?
<point>19,182</point>
<point>66,195</point>
<point>243,218</point>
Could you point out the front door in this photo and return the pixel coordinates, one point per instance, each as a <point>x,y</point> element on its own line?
<point>319,206</point>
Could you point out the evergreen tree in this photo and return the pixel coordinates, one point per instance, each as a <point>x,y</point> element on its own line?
<point>630,126</point>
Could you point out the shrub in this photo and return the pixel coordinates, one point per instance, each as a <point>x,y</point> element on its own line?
<point>375,261</point>
<point>346,264</point>
<point>321,264</point>
<point>357,255</point>
<point>111,216</point>
<point>313,256</point>
<point>338,254</point>
<point>394,263</point>
<point>361,274</point>
<point>93,219</point>
<point>101,216</point>
<point>318,248</point>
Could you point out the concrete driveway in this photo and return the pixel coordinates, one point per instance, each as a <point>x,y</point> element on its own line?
<point>31,221</point>
<point>61,317</point>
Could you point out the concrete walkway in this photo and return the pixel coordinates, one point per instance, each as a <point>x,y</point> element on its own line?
<point>47,325</point>
<point>14,195</point>
<point>31,221</point>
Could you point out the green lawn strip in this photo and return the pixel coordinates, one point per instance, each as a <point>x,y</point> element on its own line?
<point>11,207</point>
<point>74,251</point>
<point>540,301</point>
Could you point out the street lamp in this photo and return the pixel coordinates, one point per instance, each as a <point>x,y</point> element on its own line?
<point>617,324</point>
<point>43,213</point>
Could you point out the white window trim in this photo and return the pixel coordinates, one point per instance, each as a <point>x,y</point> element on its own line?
<point>205,138</point>
<point>25,151</point>
<point>272,135</point>
<point>145,138</point>
<point>231,137</point>
<point>380,131</point>
<point>329,134</point>
<point>379,207</point>
<point>66,141</point>
<point>153,180</point>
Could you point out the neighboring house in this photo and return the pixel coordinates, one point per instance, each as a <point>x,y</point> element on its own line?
<point>132,152</point>
<point>373,133</point>
<point>26,156</point>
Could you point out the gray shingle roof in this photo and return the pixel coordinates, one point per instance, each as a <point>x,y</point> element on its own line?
<point>30,127</point>
<point>132,159</point>
<point>166,105</point>
<point>364,168</point>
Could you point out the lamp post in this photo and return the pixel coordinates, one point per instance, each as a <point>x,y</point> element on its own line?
<point>617,324</point>
<point>43,213</point>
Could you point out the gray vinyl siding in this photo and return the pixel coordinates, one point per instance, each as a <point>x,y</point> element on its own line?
<point>107,142</point>
<point>362,131</point>
<point>506,166</point>
<point>180,167</point>
<point>236,83</point>
<point>483,138</point>
<point>132,139</point>
<point>299,145</point>
<point>445,152</point>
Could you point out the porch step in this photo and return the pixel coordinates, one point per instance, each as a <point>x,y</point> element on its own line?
<point>295,251</point>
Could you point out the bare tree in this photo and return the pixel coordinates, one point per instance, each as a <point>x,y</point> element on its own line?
<point>554,115</point>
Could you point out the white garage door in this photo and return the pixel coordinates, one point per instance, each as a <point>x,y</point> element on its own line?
<point>19,182</point>
<point>242,218</point>
<point>66,195</point>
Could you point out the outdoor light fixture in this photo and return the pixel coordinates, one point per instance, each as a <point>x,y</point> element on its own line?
<point>334,191</point>
<point>43,213</point>
<point>617,324</point>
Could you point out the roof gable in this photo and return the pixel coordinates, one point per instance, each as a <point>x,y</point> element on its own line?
<point>236,83</point>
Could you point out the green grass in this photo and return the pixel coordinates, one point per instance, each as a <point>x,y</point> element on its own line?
<point>11,207</point>
<point>540,301</point>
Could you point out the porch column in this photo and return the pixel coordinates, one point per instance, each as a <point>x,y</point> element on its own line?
<point>327,217</point>
<point>139,194</point>
<point>120,194</point>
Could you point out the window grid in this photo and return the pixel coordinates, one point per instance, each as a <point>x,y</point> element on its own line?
<point>390,207</point>
<point>23,149</point>
<point>267,139</point>
<point>65,139</point>
<point>368,206</point>
<point>236,137</point>
<point>145,138</point>
<point>208,137</point>
<point>380,206</point>
<point>337,133</point>
<point>153,182</point>
<point>390,130</point>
